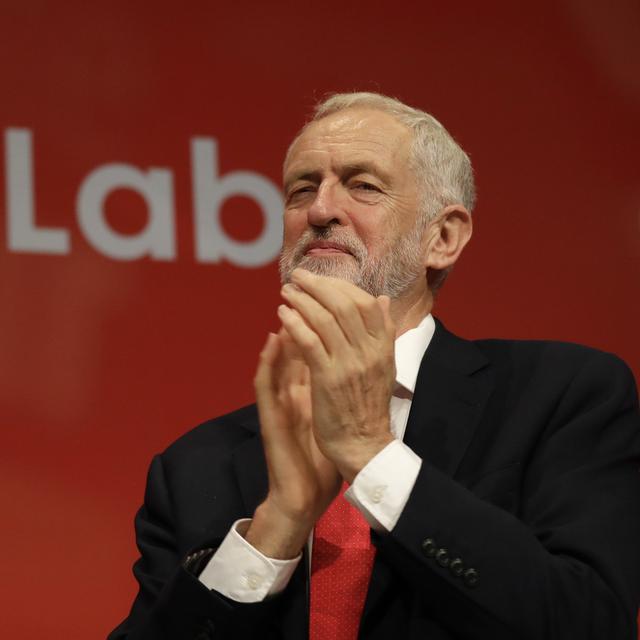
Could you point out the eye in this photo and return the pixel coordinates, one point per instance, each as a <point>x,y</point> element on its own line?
<point>367,187</point>
<point>300,191</point>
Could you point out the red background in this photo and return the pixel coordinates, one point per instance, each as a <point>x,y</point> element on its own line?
<point>105,362</point>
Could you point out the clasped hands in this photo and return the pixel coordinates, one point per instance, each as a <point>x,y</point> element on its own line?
<point>323,386</point>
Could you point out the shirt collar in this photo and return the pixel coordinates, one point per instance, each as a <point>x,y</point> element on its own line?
<point>409,350</point>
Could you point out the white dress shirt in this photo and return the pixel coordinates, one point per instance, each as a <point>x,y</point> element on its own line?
<point>380,491</point>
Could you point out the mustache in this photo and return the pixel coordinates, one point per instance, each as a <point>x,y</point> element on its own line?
<point>346,240</point>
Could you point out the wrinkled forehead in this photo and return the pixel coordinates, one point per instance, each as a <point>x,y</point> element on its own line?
<point>352,135</point>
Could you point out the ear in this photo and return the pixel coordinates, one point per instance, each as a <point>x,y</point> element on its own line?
<point>447,235</point>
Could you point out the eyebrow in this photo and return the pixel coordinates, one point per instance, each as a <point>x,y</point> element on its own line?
<point>310,176</point>
<point>346,171</point>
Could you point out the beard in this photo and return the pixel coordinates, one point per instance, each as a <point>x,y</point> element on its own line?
<point>391,274</point>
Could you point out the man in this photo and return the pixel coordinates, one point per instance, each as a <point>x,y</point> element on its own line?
<point>498,480</point>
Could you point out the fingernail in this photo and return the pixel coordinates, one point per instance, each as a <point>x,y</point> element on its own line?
<point>283,309</point>
<point>288,288</point>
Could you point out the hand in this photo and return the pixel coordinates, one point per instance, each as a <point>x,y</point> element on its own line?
<point>346,338</point>
<point>302,482</point>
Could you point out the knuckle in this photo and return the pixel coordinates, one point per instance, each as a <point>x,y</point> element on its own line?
<point>309,341</point>
<point>325,319</point>
<point>343,307</point>
<point>355,370</point>
<point>369,305</point>
<point>333,384</point>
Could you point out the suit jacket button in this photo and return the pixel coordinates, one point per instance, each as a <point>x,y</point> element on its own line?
<point>442,557</point>
<point>456,567</point>
<point>471,577</point>
<point>429,547</point>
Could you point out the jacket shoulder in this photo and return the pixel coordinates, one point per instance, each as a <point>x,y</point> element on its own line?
<point>554,360</point>
<point>221,434</point>
<point>569,353</point>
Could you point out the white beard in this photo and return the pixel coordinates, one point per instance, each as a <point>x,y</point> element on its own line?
<point>392,274</point>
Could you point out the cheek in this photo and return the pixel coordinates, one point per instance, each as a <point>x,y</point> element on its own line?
<point>372,228</point>
<point>294,226</point>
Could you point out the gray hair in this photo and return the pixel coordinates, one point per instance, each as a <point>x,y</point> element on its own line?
<point>442,168</point>
<point>438,161</point>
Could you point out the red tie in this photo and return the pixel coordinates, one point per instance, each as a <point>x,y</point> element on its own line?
<point>341,562</point>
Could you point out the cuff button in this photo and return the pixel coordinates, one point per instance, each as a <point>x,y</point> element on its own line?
<point>254,581</point>
<point>429,547</point>
<point>442,557</point>
<point>471,577</point>
<point>377,494</point>
<point>457,567</point>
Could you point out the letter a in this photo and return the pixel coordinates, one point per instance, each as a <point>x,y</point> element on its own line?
<point>156,240</point>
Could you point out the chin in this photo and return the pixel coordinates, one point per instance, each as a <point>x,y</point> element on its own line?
<point>332,265</point>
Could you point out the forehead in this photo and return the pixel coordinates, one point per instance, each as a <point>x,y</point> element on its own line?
<point>349,137</point>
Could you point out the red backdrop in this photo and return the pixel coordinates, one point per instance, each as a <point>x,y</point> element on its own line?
<point>106,358</point>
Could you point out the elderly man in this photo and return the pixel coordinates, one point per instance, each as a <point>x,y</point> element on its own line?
<point>394,480</point>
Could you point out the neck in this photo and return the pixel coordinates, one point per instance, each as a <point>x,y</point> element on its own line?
<point>408,311</point>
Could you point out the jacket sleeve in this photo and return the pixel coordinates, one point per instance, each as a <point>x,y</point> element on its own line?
<point>172,604</point>
<point>566,562</point>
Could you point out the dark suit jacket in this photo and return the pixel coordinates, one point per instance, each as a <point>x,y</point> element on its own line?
<point>530,478</point>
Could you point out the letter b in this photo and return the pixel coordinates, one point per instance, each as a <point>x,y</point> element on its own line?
<point>209,192</point>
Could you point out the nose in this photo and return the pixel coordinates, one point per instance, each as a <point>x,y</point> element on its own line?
<point>327,207</point>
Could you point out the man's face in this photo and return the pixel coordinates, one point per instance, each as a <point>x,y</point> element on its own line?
<point>351,203</point>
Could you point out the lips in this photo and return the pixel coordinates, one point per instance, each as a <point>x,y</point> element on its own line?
<point>324,247</point>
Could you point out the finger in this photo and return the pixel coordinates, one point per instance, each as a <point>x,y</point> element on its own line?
<point>289,352</point>
<point>289,348</point>
<point>341,305</point>
<point>275,425</point>
<point>319,319</point>
<point>272,381</point>
<point>269,412</point>
<point>294,367</point>
<point>264,380</point>
<point>344,299</point>
<point>267,358</point>
<point>305,338</point>
<point>385,306</point>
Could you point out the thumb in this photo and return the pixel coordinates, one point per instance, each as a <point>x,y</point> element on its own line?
<point>385,306</point>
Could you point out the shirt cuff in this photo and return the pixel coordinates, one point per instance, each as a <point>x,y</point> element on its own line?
<point>240,572</point>
<point>382,488</point>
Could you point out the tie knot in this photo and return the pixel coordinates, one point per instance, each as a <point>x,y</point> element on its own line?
<point>402,392</point>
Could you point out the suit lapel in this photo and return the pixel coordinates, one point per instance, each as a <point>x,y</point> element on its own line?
<point>453,385</point>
